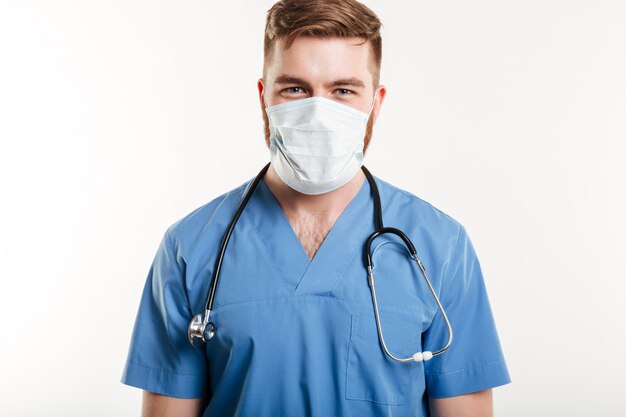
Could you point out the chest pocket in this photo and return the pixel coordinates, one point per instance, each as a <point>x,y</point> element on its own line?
<point>372,375</point>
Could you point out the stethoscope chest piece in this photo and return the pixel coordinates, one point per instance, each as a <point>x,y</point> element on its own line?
<point>200,330</point>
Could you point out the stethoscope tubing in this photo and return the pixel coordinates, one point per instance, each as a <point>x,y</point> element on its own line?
<point>229,232</point>
<point>202,329</point>
<point>381,230</point>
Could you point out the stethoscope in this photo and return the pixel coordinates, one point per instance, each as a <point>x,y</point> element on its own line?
<point>202,329</point>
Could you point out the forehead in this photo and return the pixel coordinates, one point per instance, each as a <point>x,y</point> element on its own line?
<point>321,58</point>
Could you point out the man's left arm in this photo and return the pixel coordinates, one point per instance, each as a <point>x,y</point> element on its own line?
<point>476,404</point>
<point>461,378</point>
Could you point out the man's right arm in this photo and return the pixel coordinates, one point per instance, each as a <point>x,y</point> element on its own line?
<point>155,405</point>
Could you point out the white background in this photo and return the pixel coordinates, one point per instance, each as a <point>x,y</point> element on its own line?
<point>118,118</point>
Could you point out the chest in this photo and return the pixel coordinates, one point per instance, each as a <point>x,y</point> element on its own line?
<point>311,230</point>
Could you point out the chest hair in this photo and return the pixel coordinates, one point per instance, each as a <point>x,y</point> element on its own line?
<point>311,231</point>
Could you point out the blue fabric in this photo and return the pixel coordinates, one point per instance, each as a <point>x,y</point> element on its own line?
<point>298,337</point>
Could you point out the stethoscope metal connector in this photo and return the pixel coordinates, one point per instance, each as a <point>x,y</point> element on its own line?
<point>200,329</point>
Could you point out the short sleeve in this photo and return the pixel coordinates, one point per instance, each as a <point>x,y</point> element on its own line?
<point>474,361</point>
<point>160,358</point>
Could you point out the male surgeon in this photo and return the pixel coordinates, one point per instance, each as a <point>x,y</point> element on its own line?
<point>293,324</point>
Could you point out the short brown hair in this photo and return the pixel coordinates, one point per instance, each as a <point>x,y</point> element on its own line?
<point>289,19</point>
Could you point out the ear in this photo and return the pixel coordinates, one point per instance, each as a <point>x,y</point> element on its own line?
<point>261,87</point>
<point>379,97</point>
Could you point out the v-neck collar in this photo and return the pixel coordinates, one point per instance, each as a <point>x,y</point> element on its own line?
<point>344,239</point>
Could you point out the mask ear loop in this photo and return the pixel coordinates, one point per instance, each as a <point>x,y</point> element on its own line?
<point>265,102</point>
<point>369,113</point>
<point>372,106</point>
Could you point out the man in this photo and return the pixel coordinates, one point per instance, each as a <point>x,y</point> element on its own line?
<point>295,332</point>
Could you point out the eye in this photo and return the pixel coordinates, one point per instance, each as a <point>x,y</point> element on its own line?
<point>344,92</point>
<point>293,90</point>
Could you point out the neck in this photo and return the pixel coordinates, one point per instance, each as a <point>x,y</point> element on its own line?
<point>327,204</point>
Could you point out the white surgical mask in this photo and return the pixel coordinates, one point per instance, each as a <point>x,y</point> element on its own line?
<point>316,144</point>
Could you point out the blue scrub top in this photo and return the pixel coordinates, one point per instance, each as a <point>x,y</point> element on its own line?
<point>298,337</point>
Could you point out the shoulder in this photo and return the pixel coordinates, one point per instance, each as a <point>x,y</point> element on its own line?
<point>434,233</point>
<point>215,213</point>
<point>407,209</point>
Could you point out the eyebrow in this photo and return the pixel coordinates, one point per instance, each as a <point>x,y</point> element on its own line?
<point>351,82</point>
<point>290,79</point>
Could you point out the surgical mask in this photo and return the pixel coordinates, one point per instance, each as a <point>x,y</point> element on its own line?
<point>316,144</point>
